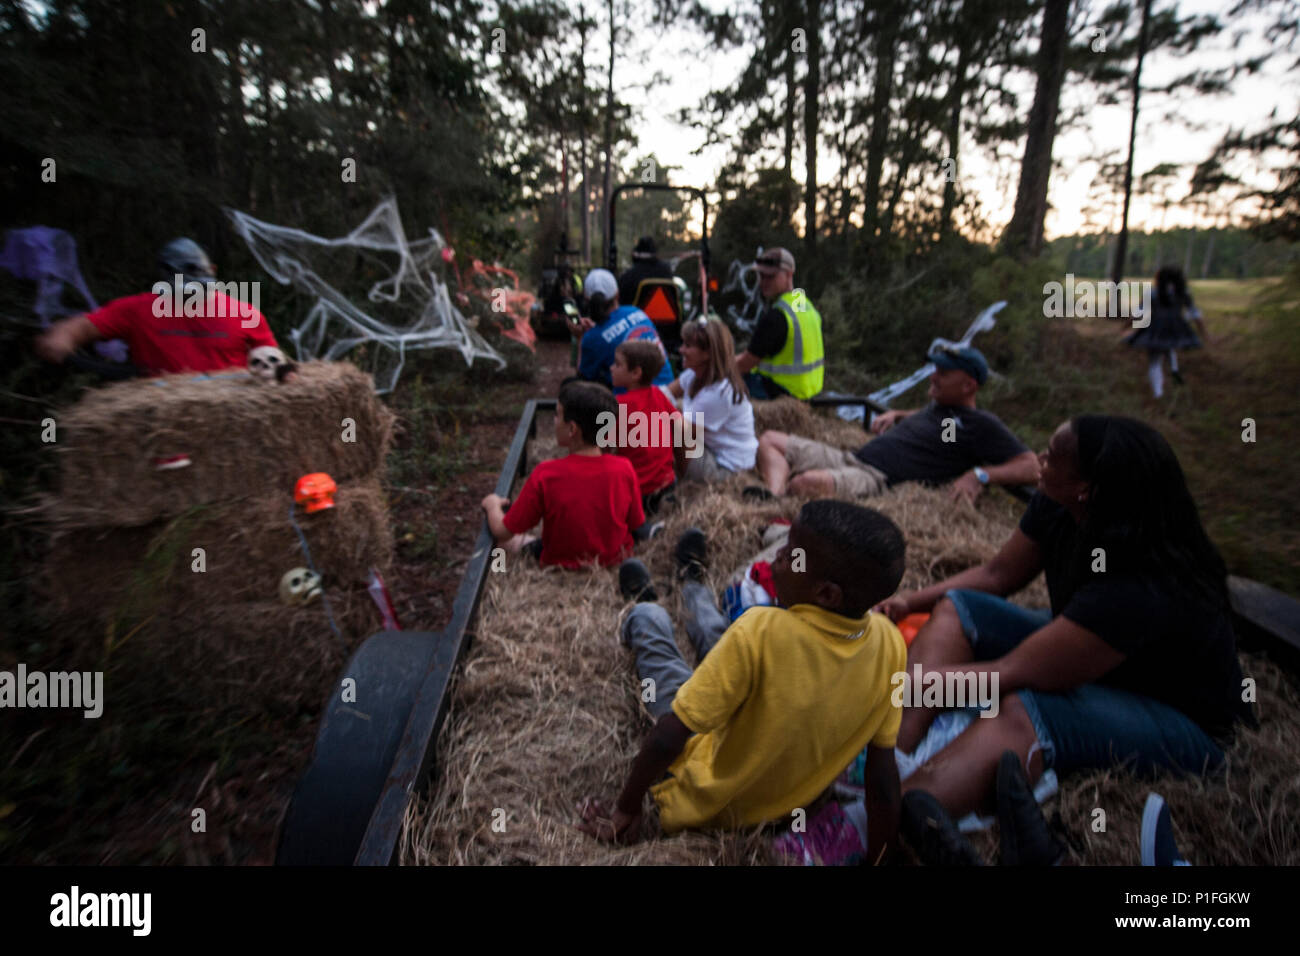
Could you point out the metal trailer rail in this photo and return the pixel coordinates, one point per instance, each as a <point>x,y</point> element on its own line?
<point>373,751</point>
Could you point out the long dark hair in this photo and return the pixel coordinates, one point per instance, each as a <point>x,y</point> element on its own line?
<point>1140,511</point>
<point>1171,287</point>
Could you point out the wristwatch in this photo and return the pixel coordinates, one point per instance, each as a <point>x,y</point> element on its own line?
<point>981,475</point>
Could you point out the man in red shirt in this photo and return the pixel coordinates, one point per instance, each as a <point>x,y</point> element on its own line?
<point>589,502</point>
<point>182,325</point>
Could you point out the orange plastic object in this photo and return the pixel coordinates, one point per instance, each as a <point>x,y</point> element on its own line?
<point>910,625</point>
<point>315,492</point>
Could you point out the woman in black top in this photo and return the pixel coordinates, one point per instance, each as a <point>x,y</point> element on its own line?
<point>1135,663</point>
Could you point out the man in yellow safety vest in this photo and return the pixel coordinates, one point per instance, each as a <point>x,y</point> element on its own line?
<point>786,347</point>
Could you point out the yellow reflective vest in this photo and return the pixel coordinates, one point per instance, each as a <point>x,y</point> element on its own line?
<point>800,365</point>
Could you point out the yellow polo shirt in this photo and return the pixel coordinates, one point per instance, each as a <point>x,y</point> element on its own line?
<point>779,707</point>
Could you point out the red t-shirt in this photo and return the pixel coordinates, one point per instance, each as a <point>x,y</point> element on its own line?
<point>649,438</point>
<point>180,343</point>
<point>589,503</point>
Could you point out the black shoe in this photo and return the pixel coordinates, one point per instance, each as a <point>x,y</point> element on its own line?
<point>1178,376</point>
<point>1025,838</point>
<point>757,493</point>
<point>692,554</point>
<point>1157,838</point>
<point>634,582</point>
<point>931,832</point>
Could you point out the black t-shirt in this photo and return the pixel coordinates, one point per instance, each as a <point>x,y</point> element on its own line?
<point>769,333</point>
<point>915,450</point>
<point>1179,651</point>
<point>641,269</point>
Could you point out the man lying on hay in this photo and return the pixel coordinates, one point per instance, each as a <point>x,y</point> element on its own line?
<point>948,439</point>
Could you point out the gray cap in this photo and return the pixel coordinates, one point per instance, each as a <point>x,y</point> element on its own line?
<point>185,256</point>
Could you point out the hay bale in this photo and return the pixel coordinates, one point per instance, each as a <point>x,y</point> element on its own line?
<point>106,574</point>
<point>794,417</point>
<point>256,660</point>
<point>546,708</point>
<point>244,439</point>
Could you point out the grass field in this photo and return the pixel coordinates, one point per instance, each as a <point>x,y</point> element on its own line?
<point>1250,369</point>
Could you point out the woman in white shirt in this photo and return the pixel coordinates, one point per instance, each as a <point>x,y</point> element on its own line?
<point>712,391</point>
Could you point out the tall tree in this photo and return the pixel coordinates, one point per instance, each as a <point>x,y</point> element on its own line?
<point>1023,236</point>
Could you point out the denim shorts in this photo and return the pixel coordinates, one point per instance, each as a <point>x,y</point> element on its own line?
<point>1093,725</point>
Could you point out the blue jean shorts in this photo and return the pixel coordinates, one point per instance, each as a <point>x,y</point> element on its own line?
<point>1093,725</point>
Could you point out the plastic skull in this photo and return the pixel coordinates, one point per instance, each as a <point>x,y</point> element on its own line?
<point>299,586</point>
<point>264,360</point>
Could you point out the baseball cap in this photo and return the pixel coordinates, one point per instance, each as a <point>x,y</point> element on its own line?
<point>963,358</point>
<point>600,282</point>
<point>773,260</point>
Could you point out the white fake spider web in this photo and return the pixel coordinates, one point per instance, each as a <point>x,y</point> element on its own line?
<point>411,307</point>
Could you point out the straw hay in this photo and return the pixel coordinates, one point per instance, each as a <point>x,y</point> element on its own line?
<point>795,417</point>
<point>545,711</point>
<point>259,660</point>
<point>101,574</point>
<point>546,708</point>
<point>242,437</point>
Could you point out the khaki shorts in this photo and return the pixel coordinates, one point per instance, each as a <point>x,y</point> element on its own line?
<point>853,477</point>
<point>705,468</point>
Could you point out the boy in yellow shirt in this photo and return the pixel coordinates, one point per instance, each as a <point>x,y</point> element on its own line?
<point>783,699</point>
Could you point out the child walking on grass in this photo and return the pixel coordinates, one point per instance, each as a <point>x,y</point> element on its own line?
<point>1168,331</point>
<point>781,701</point>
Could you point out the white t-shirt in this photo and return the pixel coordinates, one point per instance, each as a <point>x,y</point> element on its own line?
<point>728,426</point>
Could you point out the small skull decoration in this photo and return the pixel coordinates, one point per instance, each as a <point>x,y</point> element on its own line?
<point>299,586</point>
<point>264,360</point>
<point>269,364</point>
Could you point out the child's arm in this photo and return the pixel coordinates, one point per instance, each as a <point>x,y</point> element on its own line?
<point>660,749</point>
<point>883,802</point>
<point>493,508</point>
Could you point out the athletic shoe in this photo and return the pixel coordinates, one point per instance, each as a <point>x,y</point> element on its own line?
<point>1158,846</point>
<point>634,582</point>
<point>830,839</point>
<point>1178,376</point>
<point>932,834</point>
<point>692,554</point>
<point>757,493</point>
<point>1023,834</point>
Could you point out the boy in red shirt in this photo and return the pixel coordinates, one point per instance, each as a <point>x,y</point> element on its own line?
<point>589,502</point>
<point>650,413</point>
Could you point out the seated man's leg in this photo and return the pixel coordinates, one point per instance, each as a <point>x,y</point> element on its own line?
<point>816,483</point>
<point>771,461</point>
<point>704,622</point>
<point>649,633</point>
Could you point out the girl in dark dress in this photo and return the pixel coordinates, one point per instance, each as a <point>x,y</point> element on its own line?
<point>1168,330</point>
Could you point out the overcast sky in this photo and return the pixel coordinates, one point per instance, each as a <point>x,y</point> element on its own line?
<point>680,55</point>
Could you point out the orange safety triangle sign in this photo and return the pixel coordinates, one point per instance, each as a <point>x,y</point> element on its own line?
<point>659,308</point>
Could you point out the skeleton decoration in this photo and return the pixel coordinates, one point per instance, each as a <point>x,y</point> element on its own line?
<point>269,364</point>
<point>299,586</point>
